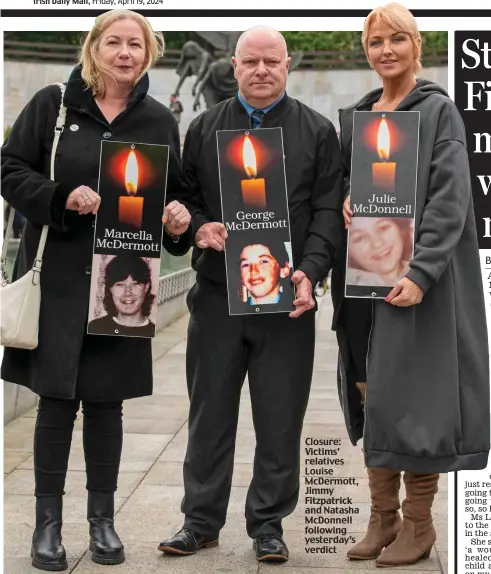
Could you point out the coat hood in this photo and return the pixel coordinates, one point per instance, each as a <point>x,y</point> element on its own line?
<point>421,91</point>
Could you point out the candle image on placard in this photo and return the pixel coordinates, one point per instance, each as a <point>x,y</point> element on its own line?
<point>130,206</point>
<point>258,250</point>
<point>128,238</point>
<point>384,171</point>
<point>253,189</point>
<point>383,200</point>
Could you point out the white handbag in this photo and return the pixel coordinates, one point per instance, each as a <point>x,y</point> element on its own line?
<point>21,300</point>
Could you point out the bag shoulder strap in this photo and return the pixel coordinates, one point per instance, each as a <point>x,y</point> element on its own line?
<point>59,127</point>
<point>60,123</point>
<point>6,241</point>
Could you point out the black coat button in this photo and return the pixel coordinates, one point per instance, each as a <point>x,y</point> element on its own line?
<point>88,270</point>
<point>107,135</point>
<point>93,223</point>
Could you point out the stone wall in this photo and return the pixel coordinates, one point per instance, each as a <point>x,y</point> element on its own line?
<point>326,90</point>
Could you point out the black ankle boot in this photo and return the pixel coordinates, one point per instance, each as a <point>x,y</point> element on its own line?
<point>47,551</point>
<point>105,545</point>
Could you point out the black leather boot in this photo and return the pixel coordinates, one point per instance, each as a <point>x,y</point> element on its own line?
<point>105,545</point>
<point>47,551</point>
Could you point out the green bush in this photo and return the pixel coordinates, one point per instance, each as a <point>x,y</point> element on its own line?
<point>331,41</point>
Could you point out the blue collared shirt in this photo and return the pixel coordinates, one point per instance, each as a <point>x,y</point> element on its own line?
<point>249,109</point>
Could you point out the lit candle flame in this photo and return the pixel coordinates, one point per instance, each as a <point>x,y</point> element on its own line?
<point>249,158</point>
<point>383,140</point>
<point>131,174</point>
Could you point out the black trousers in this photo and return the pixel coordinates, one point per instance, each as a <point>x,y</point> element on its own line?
<point>277,353</point>
<point>102,440</point>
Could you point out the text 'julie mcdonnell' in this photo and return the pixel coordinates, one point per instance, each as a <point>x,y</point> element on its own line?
<point>329,507</point>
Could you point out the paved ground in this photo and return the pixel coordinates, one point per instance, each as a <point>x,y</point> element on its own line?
<point>151,489</point>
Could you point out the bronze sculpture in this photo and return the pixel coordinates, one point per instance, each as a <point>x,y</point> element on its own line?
<point>214,77</point>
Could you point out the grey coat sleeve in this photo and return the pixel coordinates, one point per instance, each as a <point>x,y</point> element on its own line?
<point>24,186</point>
<point>448,202</point>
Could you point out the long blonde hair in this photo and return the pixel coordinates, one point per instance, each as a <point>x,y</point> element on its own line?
<point>400,18</point>
<point>90,62</point>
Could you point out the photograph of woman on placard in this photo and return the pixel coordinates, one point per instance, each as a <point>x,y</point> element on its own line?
<point>379,250</point>
<point>126,287</point>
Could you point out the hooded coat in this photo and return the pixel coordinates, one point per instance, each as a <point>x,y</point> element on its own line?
<point>68,363</point>
<point>427,400</point>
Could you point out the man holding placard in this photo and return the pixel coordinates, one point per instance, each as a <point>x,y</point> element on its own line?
<point>259,164</point>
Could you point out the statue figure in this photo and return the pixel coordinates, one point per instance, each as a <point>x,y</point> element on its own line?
<point>194,62</point>
<point>218,84</point>
<point>215,79</point>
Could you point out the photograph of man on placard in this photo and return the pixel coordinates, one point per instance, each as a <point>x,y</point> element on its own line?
<point>255,213</point>
<point>265,270</point>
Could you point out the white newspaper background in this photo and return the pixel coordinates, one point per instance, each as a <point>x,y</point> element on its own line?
<point>431,19</point>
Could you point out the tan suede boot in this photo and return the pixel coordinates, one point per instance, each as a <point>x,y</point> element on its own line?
<point>417,535</point>
<point>362,387</point>
<point>384,521</point>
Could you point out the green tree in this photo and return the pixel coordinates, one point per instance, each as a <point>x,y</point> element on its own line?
<point>70,38</point>
<point>337,41</point>
<point>306,41</point>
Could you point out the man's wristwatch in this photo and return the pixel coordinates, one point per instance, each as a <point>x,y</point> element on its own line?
<point>175,238</point>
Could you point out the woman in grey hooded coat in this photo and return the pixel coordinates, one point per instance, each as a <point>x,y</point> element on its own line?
<point>414,369</point>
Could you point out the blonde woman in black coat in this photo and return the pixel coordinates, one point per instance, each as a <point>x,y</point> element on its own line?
<point>106,99</point>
